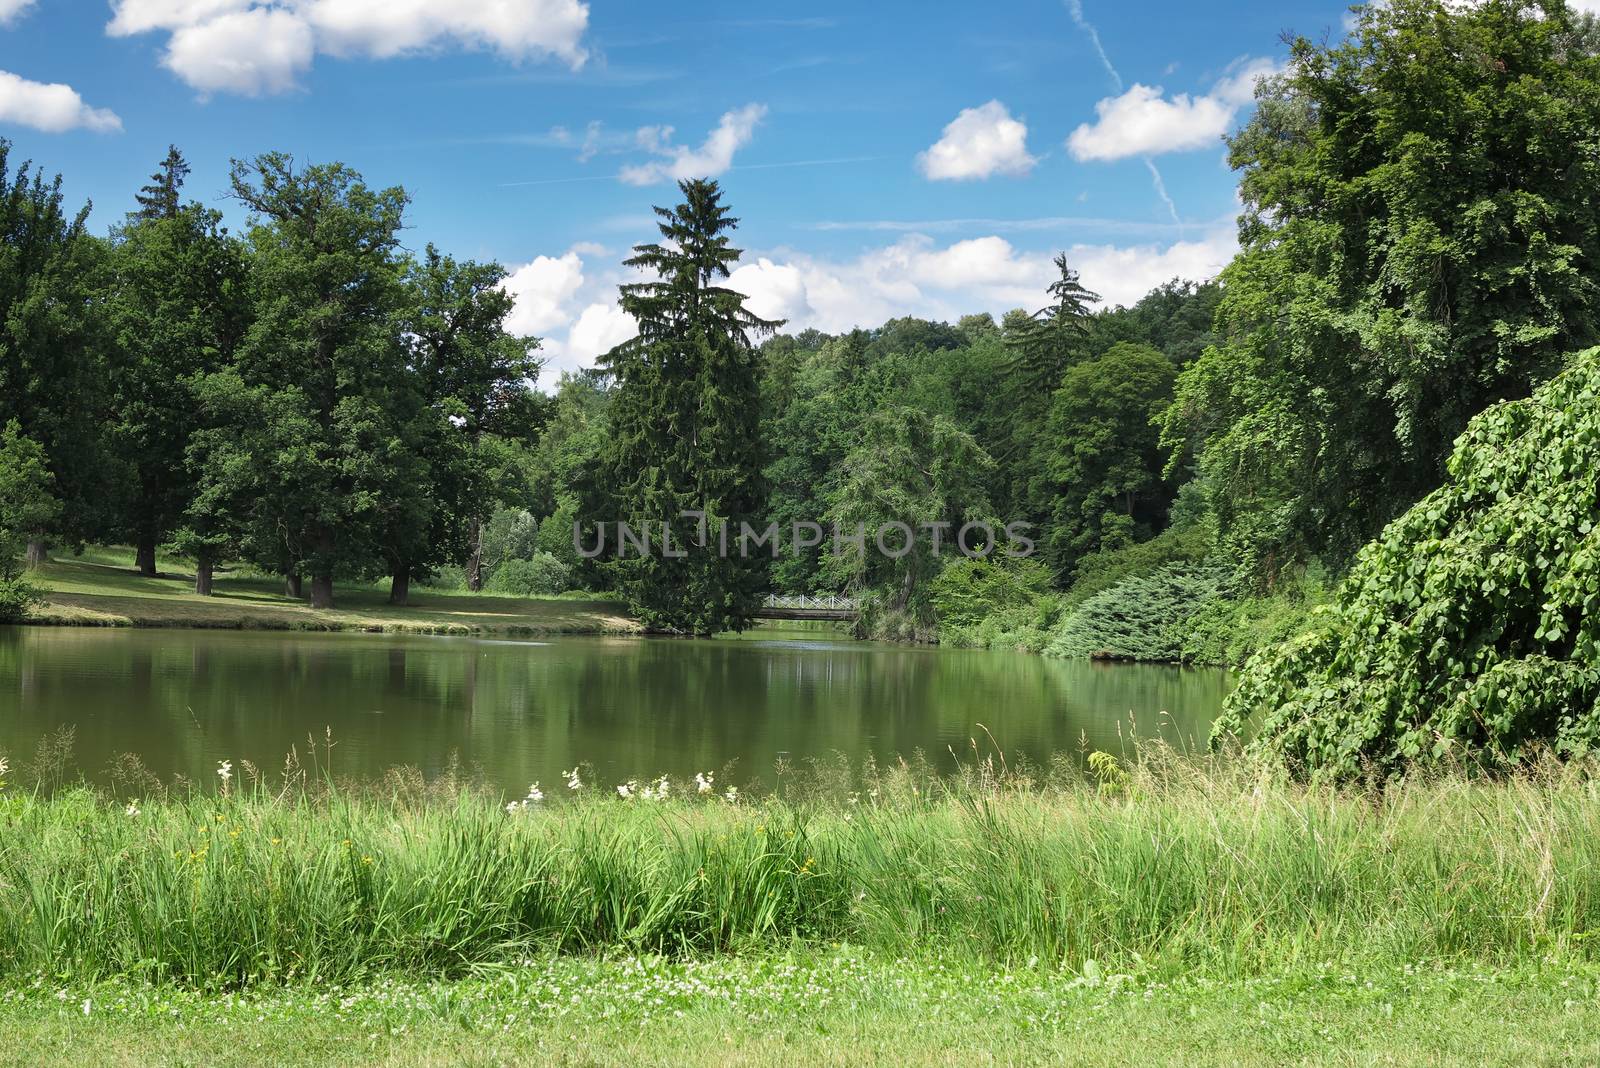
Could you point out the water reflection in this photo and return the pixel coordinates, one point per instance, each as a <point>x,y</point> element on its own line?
<point>183,700</point>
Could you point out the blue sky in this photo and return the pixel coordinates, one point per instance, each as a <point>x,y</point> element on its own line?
<point>887,158</point>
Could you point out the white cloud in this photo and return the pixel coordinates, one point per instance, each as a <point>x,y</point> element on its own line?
<point>574,308</point>
<point>599,329</point>
<point>1144,122</point>
<point>978,143</point>
<point>542,288</point>
<point>253,46</point>
<point>713,157</point>
<point>249,52</point>
<point>10,9</point>
<point>384,28</point>
<point>53,108</point>
<point>914,276</point>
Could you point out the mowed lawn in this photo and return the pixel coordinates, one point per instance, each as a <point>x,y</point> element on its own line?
<point>833,1011</point>
<point>102,588</point>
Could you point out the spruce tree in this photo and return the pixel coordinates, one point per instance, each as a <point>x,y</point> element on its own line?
<point>162,198</point>
<point>1041,348</point>
<point>686,427</point>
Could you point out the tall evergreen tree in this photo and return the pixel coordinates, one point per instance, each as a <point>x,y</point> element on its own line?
<point>1041,347</point>
<point>686,425</point>
<point>1052,336</point>
<point>163,196</point>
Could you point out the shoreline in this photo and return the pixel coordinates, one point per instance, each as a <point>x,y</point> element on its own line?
<point>99,590</point>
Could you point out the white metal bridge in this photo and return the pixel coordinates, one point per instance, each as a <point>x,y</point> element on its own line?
<point>800,606</point>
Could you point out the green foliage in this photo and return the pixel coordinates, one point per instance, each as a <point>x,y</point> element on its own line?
<point>1471,625</point>
<point>994,603</point>
<point>911,469</point>
<point>52,335</point>
<point>968,589</point>
<point>279,882</point>
<point>179,310</point>
<point>1146,617</point>
<point>685,425</point>
<point>1230,630</point>
<point>1103,454</point>
<point>1417,243</point>
<point>541,575</point>
<point>26,505</point>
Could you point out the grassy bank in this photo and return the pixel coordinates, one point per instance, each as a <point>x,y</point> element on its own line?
<point>835,1008</point>
<point>1184,868</point>
<point>102,588</point>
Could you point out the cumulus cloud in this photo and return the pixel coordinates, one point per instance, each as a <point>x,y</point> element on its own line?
<point>249,52</point>
<point>714,156</point>
<point>10,9</point>
<point>570,301</point>
<point>978,143</point>
<point>253,47</point>
<point>1145,122</point>
<point>916,276</point>
<point>51,107</point>
<point>542,289</point>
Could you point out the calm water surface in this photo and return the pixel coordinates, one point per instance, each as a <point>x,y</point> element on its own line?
<point>183,700</point>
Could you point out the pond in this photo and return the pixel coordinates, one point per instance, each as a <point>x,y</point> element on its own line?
<point>518,710</point>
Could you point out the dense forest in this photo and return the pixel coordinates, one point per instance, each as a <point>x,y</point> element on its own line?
<point>1419,241</point>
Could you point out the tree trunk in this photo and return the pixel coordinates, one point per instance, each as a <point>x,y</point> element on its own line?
<point>475,559</point>
<point>322,591</point>
<point>38,554</point>
<point>144,556</point>
<point>293,586</point>
<point>202,576</point>
<point>400,585</point>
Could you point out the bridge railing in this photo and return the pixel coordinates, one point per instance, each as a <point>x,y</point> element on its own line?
<point>802,602</point>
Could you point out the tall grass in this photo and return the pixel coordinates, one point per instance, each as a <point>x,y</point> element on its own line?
<point>1168,864</point>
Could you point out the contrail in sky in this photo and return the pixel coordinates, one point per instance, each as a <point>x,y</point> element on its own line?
<point>1075,9</point>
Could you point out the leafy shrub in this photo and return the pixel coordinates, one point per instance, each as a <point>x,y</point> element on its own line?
<point>542,576</point>
<point>1147,617</point>
<point>1471,624</point>
<point>510,534</point>
<point>17,596</point>
<point>1182,543</point>
<point>26,505</point>
<point>1230,631</point>
<point>968,589</point>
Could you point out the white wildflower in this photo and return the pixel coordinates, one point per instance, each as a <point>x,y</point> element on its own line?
<point>573,782</point>
<point>225,770</point>
<point>702,782</point>
<point>535,795</point>
<point>626,790</point>
<point>132,809</point>
<point>731,795</point>
<point>512,806</point>
<point>4,766</point>
<point>660,793</point>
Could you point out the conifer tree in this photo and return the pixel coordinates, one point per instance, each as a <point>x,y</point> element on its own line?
<point>686,426</point>
<point>162,197</point>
